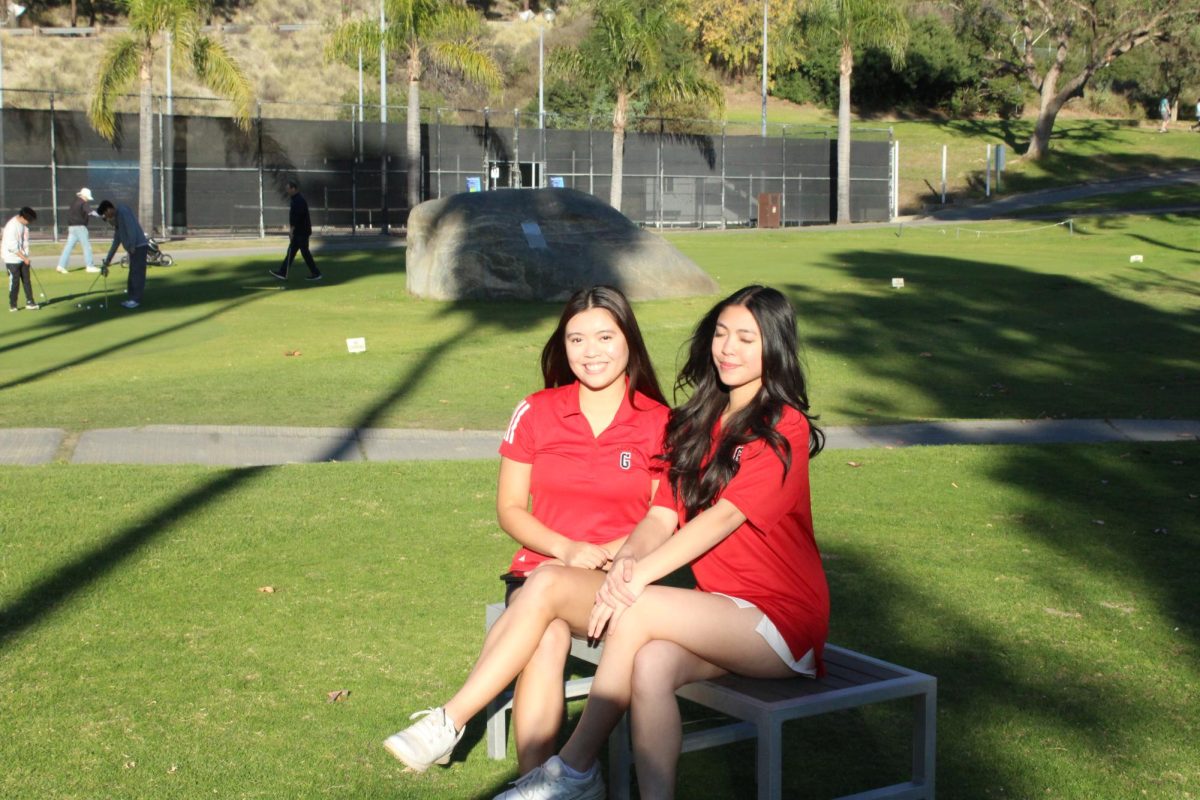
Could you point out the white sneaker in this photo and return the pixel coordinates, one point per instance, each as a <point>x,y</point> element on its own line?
<point>428,742</point>
<point>93,269</point>
<point>551,782</point>
<point>63,270</point>
<point>130,303</point>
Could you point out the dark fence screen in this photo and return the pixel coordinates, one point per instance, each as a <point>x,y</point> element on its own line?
<point>209,174</point>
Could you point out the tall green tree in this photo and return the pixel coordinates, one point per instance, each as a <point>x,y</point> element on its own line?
<point>1057,46</point>
<point>633,49</point>
<point>848,25</point>
<point>129,59</point>
<point>423,34</point>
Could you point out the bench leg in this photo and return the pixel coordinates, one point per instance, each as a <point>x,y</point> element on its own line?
<point>770,760</point>
<point>497,726</point>
<point>620,759</point>
<point>924,763</point>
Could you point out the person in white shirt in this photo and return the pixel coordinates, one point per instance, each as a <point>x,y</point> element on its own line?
<point>15,248</point>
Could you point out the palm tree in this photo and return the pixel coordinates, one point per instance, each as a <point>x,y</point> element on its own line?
<point>851,24</point>
<point>129,57</point>
<point>434,33</point>
<point>627,52</point>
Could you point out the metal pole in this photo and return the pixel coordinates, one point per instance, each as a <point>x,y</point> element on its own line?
<point>516,150</point>
<point>591,160</point>
<point>355,124</point>
<point>783,179</point>
<point>360,86</point>
<point>541,77</point>
<point>987,171</point>
<point>943,174</point>
<point>895,178</point>
<point>661,182</point>
<point>162,174</point>
<point>383,156</point>
<point>53,169</point>
<point>723,124</point>
<point>764,71</point>
<point>262,228</point>
<point>170,107</point>
<point>437,137</point>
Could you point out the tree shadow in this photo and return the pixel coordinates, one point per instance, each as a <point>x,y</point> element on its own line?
<point>974,340</point>
<point>64,582</point>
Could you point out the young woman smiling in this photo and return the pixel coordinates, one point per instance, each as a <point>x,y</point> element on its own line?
<point>578,469</point>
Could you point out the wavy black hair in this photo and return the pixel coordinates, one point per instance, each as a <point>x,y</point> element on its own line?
<point>689,431</point>
<point>556,369</point>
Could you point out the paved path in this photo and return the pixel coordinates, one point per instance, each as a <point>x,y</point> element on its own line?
<point>1006,206</point>
<point>244,446</point>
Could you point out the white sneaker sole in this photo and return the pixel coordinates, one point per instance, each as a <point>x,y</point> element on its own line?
<point>393,745</point>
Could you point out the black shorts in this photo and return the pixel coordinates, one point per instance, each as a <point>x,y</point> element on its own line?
<point>512,582</point>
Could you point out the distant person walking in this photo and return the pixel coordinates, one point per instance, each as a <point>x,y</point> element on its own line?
<point>1164,111</point>
<point>299,230</point>
<point>78,216</point>
<point>129,234</point>
<point>15,248</point>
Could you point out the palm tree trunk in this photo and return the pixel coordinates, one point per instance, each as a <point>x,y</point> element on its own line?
<point>146,143</point>
<point>620,113</point>
<point>845,67</point>
<point>413,131</point>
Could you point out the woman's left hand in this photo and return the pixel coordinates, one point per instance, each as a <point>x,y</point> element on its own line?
<point>621,589</point>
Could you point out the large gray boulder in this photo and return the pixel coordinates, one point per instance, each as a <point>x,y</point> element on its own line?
<point>539,244</point>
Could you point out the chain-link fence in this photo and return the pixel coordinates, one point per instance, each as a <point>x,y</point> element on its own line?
<point>210,174</point>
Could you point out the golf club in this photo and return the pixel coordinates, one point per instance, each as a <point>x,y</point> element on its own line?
<point>41,288</point>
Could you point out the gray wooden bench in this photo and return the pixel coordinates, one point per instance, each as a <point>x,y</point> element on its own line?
<point>760,707</point>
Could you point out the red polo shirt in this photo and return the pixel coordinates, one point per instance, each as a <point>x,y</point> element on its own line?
<point>585,487</point>
<point>771,560</point>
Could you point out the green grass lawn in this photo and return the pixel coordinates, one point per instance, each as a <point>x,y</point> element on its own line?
<point>1015,320</point>
<point>1050,589</point>
<point>1175,196</point>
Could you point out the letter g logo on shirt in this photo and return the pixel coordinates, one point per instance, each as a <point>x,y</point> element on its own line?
<point>626,459</point>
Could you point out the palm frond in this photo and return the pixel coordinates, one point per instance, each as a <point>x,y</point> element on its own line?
<point>117,72</point>
<point>218,70</point>
<point>346,41</point>
<point>468,60</point>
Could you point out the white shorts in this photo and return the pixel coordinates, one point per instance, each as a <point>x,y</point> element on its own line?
<point>806,665</point>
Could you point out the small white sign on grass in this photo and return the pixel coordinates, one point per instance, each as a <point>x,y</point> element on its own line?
<point>357,344</point>
<point>897,283</point>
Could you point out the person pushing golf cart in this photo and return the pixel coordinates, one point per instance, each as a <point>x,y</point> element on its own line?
<point>129,234</point>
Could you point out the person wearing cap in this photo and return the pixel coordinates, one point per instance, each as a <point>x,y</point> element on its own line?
<point>78,216</point>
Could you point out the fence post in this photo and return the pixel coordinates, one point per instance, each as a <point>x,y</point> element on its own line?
<point>987,171</point>
<point>437,138</point>
<point>262,229</point>
<point>661,183</point>
<point>723,124</point>
<point>162,173</point>
<point>895,198</point>
<point>943,174</point>
<point>487,174</point>
<point>354,126</point>
<point>516,150</point>
<point>783,178</point>
<point>53,169</point>
<point>591,161</point>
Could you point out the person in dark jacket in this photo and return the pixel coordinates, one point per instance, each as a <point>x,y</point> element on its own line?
<point>78,216</point>
<point>300,228</point>
<point>129,234</point>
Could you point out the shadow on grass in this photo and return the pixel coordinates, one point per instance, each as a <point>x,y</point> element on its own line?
<point>983,340</point>
<point>67,580</point>
<point>224,284</point>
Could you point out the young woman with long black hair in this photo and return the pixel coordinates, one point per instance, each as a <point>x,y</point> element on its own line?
<point>578,469</point>
<point>736,507</point>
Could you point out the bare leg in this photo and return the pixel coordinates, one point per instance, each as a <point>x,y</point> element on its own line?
<point>710,626</point>
<point>660,668</point>
<point>550,593</point>
<point>538,701</point>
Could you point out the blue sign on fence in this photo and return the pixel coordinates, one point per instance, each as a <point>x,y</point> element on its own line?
<point>474,184</point>
<point>557,181</point>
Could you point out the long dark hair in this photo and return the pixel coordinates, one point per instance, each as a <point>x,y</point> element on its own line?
<point>556,370</point>
<point>689,431</point>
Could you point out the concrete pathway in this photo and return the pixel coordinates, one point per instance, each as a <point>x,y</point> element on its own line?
<point>1006,206</point>
<point>244,446</point>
